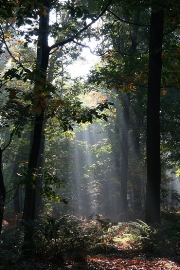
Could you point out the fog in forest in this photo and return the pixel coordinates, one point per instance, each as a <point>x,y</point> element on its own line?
<point>92,186</point>
<point>90,163</point>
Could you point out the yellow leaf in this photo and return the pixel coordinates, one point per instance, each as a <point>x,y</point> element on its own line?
<point>20,41</point>
<point>16,55</point>
<point>164,92</point>
<point>133,88</point>
<point>7,35</point>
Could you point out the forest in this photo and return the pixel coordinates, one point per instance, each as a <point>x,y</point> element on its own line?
<point>89,134</point>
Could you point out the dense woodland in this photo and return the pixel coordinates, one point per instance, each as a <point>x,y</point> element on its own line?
<point>90,164</point>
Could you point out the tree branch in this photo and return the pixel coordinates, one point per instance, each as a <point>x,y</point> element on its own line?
<point>84,46</point>
<point>62,43</point>
<point>170,31</point>
<point>101,54</point>
<point>11,136</point>
<point>14,130</point>
<point>114,51</point>
<point>124,21</point>
<point>7,48</point>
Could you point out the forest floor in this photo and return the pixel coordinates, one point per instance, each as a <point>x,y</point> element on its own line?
<point>106,262</point>
<point>103,262</point>
<point>94,245</point>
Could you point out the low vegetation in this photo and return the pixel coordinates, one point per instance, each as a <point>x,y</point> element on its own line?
<point>70,243</point>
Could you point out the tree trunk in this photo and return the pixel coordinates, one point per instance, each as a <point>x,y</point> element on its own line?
<point>124,161</point>
<point>2,192</point>
<point>137,185</point>
<point>117,156</point>
<point>33,164</point>
<point>18,201</point>
<point>30,190</point>
<point>152,203</point>
<point>38,206</point>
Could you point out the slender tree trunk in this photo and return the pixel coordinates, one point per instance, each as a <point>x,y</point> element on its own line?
<point>137,184</point>
<point>2,192</point>
<point>18,194</point>
<point>18,201</point>
<point>38,207</point>
<point>125,128</point>
<point>152,203</point>
<point>124,161</point>
<point>117,156</point>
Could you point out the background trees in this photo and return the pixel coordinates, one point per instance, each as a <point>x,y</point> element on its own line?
<point>102,166</point>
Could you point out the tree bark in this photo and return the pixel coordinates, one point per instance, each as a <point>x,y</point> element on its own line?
<point>38,206</point>
<point>18,201</point>
<point>152,202</point>
<point>33,164</point>
<point>124,160</point>
<point>18,194</point>
<point>2,192</point>
<point>125,127</point>
<point>137,185</point>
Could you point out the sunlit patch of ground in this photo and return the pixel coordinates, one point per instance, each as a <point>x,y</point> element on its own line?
<point>133,264</point>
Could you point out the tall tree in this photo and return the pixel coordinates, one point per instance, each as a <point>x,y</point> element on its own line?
<point>43,55</point>
<point>42,64</point>
<point>124,161</point>
<point>2,192</point>
<point>152,204</point>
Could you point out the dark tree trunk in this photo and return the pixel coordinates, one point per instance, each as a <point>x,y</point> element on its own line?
<point>38,207</point>
<point>2,192</point>
<point>137,182</point>
<point>117,156</point>
<point>125,128</point>
<point>137,185</point>
<point>18,201</point>
<point>30,190</point>
<point>33,165</point>
<point>136,141</point>
<point>152,203</point>
<point>124,161</point>
<point>18,193</point>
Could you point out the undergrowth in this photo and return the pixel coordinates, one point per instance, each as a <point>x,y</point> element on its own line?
<point>70,239</point>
